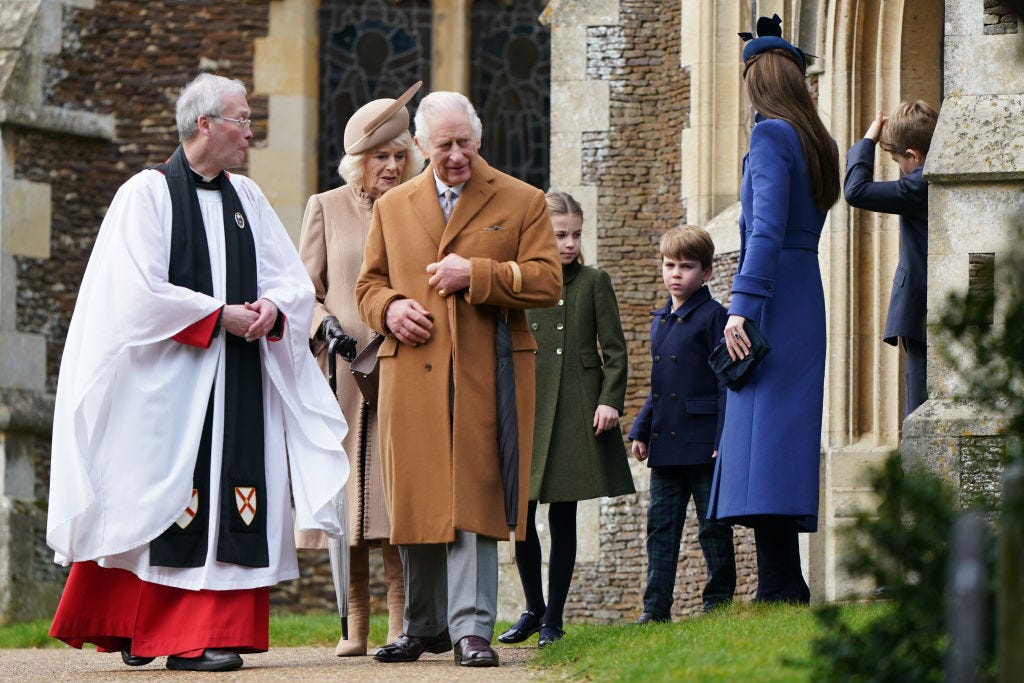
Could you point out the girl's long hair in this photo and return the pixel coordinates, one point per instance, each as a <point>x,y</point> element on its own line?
<point>776,87</point>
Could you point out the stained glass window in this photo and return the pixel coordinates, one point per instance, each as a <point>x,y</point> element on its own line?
<point>368,49</point>
<point>511,86</point>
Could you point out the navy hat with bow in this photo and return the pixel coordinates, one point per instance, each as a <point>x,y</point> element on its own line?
<point>769,37</point>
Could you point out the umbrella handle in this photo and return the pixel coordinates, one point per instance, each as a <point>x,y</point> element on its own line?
<point>511,545</point>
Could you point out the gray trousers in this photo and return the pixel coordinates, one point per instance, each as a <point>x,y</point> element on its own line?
<point>451,585</point>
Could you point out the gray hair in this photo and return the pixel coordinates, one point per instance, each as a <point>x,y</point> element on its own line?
<point>351,166</point>
<point>444,101</point>
<point>203,96</point>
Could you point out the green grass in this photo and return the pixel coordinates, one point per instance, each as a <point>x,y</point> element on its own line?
<point>27,635</point>
<point>743,642</point>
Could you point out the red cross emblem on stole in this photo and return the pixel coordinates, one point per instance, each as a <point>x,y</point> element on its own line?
<point>245,500</point>
<point>190,512</point>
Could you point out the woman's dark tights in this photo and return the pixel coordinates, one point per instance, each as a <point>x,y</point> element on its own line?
<point>562,561</point>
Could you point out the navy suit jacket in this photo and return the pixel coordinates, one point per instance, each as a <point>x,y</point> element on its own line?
<point>681,420</point>
<point>908,197</point>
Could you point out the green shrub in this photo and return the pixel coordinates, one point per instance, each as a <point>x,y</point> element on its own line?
<point>903,547</point>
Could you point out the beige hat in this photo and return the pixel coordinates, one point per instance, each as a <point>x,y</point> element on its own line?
<point>378,122</point>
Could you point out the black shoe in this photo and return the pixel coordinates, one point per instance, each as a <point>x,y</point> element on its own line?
<point>134,660</point>
<point>548,635</point>
<point>528,624</point>
<point>409,648</point>
<point>650,618</point>
<point>210,660</point>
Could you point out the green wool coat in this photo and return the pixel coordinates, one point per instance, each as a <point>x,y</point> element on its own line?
<point>569,462</point>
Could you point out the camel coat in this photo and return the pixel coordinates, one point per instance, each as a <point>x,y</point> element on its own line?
<point>440,452</point>
<point>334,230</point>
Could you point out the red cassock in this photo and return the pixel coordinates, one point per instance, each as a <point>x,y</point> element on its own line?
<point>114,609</point>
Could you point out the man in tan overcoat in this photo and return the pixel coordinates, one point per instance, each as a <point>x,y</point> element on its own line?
<point>435,285</point>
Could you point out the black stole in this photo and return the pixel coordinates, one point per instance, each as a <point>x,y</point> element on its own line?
<point>242,533</point>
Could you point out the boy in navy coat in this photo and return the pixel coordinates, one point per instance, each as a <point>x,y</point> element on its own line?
<point>679,426</point>
<point>906,135</point>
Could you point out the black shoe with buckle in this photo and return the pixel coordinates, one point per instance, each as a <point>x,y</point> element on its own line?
<point>210,660</point>
<point>409,648</point>
<point>134,660</point>
<point>528,624</point>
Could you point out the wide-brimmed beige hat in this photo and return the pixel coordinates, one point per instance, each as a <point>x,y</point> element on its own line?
<point>378,122</point>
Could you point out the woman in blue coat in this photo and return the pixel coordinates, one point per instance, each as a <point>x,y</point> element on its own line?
<point>767,470</point>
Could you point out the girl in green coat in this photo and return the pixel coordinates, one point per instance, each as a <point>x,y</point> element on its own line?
<point>578,451</point>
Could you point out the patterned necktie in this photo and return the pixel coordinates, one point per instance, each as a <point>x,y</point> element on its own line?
<point>448,205</point>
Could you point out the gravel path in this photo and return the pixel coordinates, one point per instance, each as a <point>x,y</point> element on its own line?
<point>280,664</point>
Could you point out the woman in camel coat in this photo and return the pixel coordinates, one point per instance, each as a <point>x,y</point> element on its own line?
<point>334,231</point>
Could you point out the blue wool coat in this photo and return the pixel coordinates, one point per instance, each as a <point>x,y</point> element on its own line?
<point>771,443</point>
<point>908,197</point>
<point>681,420</point>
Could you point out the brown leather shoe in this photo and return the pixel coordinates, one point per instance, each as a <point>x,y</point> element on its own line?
<point>409,648</point>
<point>475,651</point>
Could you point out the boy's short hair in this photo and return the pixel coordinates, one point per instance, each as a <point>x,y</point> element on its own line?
<point>910,127</point>
<point>687,241</point>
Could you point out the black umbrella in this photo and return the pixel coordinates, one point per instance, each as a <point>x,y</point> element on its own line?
<point>338,547</point>
<point>508,427</point>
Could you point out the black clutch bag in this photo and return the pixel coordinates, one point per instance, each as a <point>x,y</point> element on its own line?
<point>735,373</point>
<point>365,369</point>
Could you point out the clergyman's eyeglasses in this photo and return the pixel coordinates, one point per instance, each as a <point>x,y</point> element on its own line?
<point>243,123</point>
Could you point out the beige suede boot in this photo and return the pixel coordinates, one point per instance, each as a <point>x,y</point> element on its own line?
<point>358,603</point>
<point>395,578</point>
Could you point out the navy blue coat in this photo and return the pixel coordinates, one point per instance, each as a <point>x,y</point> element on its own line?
<point>908,197</point>
<point>769,455</point>
<point>681,420</point>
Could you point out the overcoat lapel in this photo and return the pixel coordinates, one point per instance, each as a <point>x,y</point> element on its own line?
<point>475,195</point>
<point>428,206</point>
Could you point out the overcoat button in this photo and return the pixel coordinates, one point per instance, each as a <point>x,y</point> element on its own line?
<point>559,326</point>
<point>662,321</point>
<point>674,397</point>
<point>673,435</point>
<point>428,367</point>
<point>657,358</point>
<point>558,351</point>
<point>654,436</point>
<point>672,358</point>
<point>679,321</point>
<point>534,326</point>
<point>561,302</point>
<point>655,396</point>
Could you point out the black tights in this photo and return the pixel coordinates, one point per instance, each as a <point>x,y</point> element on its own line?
<point>562,523</point>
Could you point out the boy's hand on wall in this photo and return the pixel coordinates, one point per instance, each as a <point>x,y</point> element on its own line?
<point>875,129</point>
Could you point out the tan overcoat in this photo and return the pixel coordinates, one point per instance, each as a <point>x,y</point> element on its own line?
<point>441,469</point>
<point>334,230</point>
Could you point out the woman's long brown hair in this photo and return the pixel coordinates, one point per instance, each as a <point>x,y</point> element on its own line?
<point>776,87</point>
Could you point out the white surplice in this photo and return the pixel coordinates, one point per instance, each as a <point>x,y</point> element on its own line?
<point>131,401</point>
